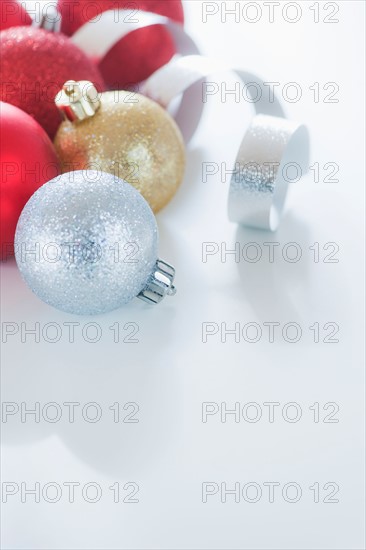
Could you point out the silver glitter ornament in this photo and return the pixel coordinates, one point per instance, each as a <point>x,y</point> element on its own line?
<point>87,243</point>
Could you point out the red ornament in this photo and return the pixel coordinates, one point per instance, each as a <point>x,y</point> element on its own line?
<point>27,160</point>
<point>138,55</point>
<point>34,66</point>
<point>13,14</point>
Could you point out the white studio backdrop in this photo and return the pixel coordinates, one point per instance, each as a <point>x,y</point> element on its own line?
<point>165,445</point>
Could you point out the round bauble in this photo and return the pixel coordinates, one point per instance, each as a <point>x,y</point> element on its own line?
<point>28,159</point>
<point>13,14</point>
<point>122,133</point>
<point>135,57</point>
<point>34,65</point>
<point>95,244</point>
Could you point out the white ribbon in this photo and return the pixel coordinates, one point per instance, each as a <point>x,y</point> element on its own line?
<point>254,199</point>
<point>270,149</point>
<point>258,186</point>
<point>186,75</point>
<point>99,35</point>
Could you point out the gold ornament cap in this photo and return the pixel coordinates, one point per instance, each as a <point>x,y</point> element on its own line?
<point>78,100</point>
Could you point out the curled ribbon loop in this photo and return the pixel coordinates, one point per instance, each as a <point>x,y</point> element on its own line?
<point>99,35</point>
<point>185,75</point>
<point>258,187</point>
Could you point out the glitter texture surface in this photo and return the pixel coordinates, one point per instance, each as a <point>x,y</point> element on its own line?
<point>132,137</point>
<point>86,242</point>
<point>34,66</point>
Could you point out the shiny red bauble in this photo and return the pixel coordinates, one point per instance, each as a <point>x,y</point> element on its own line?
<point>12,14</point>
<point>27,160</point>
<point>34,66</point>
<point>136,56</point>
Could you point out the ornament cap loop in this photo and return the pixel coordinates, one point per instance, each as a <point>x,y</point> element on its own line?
<point>50,20</point>
<point>160,284</point>
<point>78,100</point>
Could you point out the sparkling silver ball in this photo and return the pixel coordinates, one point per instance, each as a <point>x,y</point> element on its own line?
<point>86,242</point>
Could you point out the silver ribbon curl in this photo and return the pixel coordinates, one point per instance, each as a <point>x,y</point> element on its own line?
<point>255,199</point>
<point>258,186</point>
<point>260,181</point>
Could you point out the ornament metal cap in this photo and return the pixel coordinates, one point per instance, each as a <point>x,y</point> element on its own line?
<point>78,100</point>
<point>160,284</point>
<point>50,19</point>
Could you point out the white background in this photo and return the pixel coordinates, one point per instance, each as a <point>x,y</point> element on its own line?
<point>170,452</point>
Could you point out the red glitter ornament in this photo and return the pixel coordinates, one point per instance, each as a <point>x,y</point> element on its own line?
<point>27,160</point>
<point>12,14</point>
<point>34,66</point>
<point>136,56</point>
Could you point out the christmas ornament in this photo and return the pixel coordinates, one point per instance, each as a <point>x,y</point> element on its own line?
<point>93,242</point>
<point>13,14</point>
<point>136,56</point>
<point>28,159</point>
<point>122,133</point>
<point>34,65</point>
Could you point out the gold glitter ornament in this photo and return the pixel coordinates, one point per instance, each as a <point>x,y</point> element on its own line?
<point>123,133</point>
